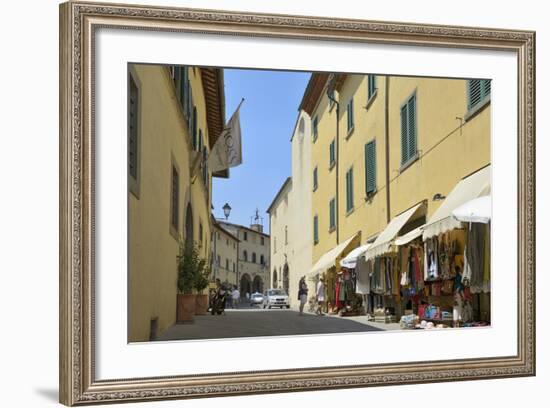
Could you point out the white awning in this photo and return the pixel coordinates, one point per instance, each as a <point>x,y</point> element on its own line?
<point>473,186</point>
<point>350,261</point>
<point>383,243</point>
<point>329,258</point>
<point>476,210</point>
<point>409,236</point>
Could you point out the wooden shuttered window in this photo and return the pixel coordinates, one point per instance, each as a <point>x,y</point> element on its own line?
<point>133,124</point>
<point>371,87</point>
<point>332,154</point>
<point>370,167</point>
<point>194,127</point>
<point>349,190</point>
<point>350,115</point>
<point>174,199</point>
<point>315,229</point>
<point>408,131</point>
<point>479,90</point>
<point>332,214</point>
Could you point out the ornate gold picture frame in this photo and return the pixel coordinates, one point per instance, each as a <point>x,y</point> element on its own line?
<point>79,23</point>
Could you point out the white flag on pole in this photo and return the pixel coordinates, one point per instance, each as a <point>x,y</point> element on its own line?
<point>227,150</point>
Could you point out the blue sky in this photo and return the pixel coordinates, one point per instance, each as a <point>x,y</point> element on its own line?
<point>268,115</point>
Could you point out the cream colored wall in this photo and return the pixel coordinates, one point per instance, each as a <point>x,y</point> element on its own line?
<point>253,269</point>
<point>367,217</point>
<point>225,247</point>
<point>301,225</point>
<point>252,244</point>
<point>152,247</point>
<point>448,151</point>
<point>327,177</point>
<point>280,218</point>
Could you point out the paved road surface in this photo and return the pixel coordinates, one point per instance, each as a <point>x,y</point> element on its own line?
<point>251,322</point>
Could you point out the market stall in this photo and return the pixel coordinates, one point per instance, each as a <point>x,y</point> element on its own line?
<point>328,267</point>
<point>449,284</point>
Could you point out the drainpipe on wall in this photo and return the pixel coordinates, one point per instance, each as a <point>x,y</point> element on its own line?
<point>387,136</point>
<point>330,95</point>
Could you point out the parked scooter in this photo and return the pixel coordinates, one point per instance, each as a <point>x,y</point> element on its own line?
<point>218,301</point>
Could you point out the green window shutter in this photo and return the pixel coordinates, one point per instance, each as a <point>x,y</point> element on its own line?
<point>404,135</point>
<point>194,129</point>
<point>332,214</point>
<point>184,89</point>
<point>188,94</point>
<point>408,130</point>
<point>370,166</point>
<point>486,88</point>
<point>315,229</point>
<point>190,109</point>
<point>315,179</point>
<point>133,123</point>
<point>475,92</point>
<point>332,155</point>
<point>349,190</point>
<point>371,85</point>
<point>175,198</point>
<point>412,127</point>
<point>350,114</point>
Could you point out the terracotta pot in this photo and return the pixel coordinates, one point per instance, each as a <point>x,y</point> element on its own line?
<point>201,304</point>
<point>185,308</point>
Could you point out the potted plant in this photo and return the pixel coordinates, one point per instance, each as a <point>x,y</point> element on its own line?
<point>188,268</point>
<point>201,283</point>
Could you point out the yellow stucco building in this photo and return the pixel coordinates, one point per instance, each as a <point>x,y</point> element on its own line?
<point>174,116</point>
<point>225,251</point>
<point>381,145</point>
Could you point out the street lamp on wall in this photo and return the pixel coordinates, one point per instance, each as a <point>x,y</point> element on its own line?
<point>226,210</point>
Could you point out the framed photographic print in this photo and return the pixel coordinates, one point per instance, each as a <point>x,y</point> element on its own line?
<point>256,203</point>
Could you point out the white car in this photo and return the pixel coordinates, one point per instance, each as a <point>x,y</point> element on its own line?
<point>275,298</point>
<point>256,299</point>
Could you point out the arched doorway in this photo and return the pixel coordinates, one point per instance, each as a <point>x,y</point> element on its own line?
<point>257,284</point>
<point>246,285</point>
<point>286,279</point>
<point>189,237</point>
<point>274,279</point>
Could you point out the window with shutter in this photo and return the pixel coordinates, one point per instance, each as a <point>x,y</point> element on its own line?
<point>350,115</point>
<point>332,214</point>
<point>408,131</point>
<point>133,123</point>
<point>371,88</point>
<point>315,179</point>
<point>315,126</point>
<point>370,167</point>
<point>349,190</point>
<point>479,91</point>
<point>316,230</point>
<point>194,128</point>
<point>332,154</point>
<point>174,199</point>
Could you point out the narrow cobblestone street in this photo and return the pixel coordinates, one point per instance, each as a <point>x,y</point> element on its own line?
<point>252,322</point>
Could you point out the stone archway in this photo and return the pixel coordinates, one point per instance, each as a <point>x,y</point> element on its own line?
<point>257,284</point>
<point>245,285</point>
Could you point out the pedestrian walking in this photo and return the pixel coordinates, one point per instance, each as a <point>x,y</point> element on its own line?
<point>235,295</point>
<point>302,294</point>
<point>320,295</point>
